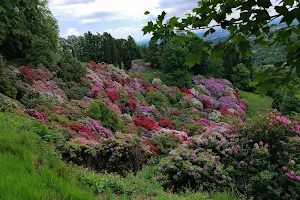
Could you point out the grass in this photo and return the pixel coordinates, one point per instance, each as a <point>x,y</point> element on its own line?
<point>30,169</point>
<point>257,103</point>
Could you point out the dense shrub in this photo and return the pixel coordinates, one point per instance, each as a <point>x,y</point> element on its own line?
<point>122,154</point>
<point>6,82</point>
<point>158,99</point>
<point>269,158</point>
<point>178,77</point>
<point>100,111</point>
<point>241,77</point>
<point>145,122</point>
<point>70,68</point>
<point>286,101</point>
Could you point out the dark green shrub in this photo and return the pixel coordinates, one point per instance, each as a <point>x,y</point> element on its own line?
<point>241,77</point>
<point>70,68</point>
<point>6,82</point>
<point>178,77</point>
<point>286,101</point>
<point>33,99</point>
<point>109,119</point>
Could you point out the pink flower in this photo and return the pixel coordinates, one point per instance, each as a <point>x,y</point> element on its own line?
<point>261,143</point>
<point>256,146</point>
<point>292,172</point>
<point>266,145</point>
<point>294,148</point>
<point>284,168</point>
<point>292,162</point>
<point>251,140</point>
<point>298,178</point>
<point>223,176</point>
<point>237,147</point>
<point>271,125</point>
<point>242,162</point>
<point>265,151</point>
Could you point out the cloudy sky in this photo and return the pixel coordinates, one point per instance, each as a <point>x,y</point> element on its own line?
<point>119,17</point>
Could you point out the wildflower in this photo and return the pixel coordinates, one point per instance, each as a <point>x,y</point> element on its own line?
<point>261,143</point>
<point>158,178</point>
<point>292,172</point>
<point>292,162</point>
<point>265,151</point>
<point>237,147</point>
<point>223,176</point>
<point>290,176</point>
<point>294,148</point>
<point>251,140</point>
<point>298,178</point>
<point>256,146</point>
<point>242,162</point>
<point>284,168</point>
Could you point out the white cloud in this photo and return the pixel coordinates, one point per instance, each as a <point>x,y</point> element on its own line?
<point>90,21</point>
<point>72,31</point>
<point>105,9</point>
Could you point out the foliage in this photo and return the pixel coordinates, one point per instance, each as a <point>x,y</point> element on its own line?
<point>177,77</point>
<point>158,99</point>
<point>286,102</point>
<point>100,111</point>
<point>70,68</point>
<point>260,26</point>
<point>6,82</point>
<point>241,77</point>
<point>22,32</point>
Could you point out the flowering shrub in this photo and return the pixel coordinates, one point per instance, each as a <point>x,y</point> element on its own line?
<point>123,153</point>
<point>36,114</point>
<point>92,65</point>
<point>144,122</point>
<point>132,105</point>
<point>29,74</point>
<point>165,123</point>
<point>186,91</point>
<point>112,94</point>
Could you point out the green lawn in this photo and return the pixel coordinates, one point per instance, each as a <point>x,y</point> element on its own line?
<point>257,103</point>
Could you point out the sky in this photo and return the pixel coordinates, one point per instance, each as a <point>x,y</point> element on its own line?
<point>118,17</point>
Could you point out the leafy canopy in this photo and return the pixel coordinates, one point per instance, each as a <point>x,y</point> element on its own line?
<point>256,21</point>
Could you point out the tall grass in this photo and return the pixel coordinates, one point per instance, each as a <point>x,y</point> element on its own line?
<point>29,168</point>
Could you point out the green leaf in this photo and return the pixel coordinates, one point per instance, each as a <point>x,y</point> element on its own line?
<point>260,76</point>
<point>162,16</point>
<point>264,88</point>
<point>173,21</point>
<point>193,59</point>
<point>181,39</point>
<point>297,96</point>
<point>146,13</point>
<point>298,70</point>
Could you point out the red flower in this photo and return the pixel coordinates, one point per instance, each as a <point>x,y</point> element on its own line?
<point>165,123</point>
<point>112,93</point>
<point>92,65</point>
<point>186,90</point>
<point>36,114</point>
<point>147,123</point>
<point>124,82</point>
<point>29,74</point>
<point>132,105</point>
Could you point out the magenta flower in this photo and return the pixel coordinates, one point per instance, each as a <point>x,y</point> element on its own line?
<point>284,168</point>
<point>251,140</point>
<point>256,146</point>
<point>223,177</point>
<point>298,178</point>
<point>292,172</point>
<point>292,162</point>
<point>267,145</point>
<point>261,143</point>
<point>290,176</point>
<point>265,151</point>
<point>237,147</point>
<point>242,162</point>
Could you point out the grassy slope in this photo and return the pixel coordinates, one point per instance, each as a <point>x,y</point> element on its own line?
<point>257,103</point>
<point>29,168</point>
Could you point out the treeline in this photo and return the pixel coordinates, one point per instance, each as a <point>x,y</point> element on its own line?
<point>102,48</point>
<point>28,30</point>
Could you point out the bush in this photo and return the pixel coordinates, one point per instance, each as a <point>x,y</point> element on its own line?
<point>286,102</point>
<point>109,119</point>
<point>241,77</point>
<point>121,154</point>
<point>6,82</point>
<point>178,77</point>
<point>158,99</point>
<point>269,158</point>
<point>70,68</point>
